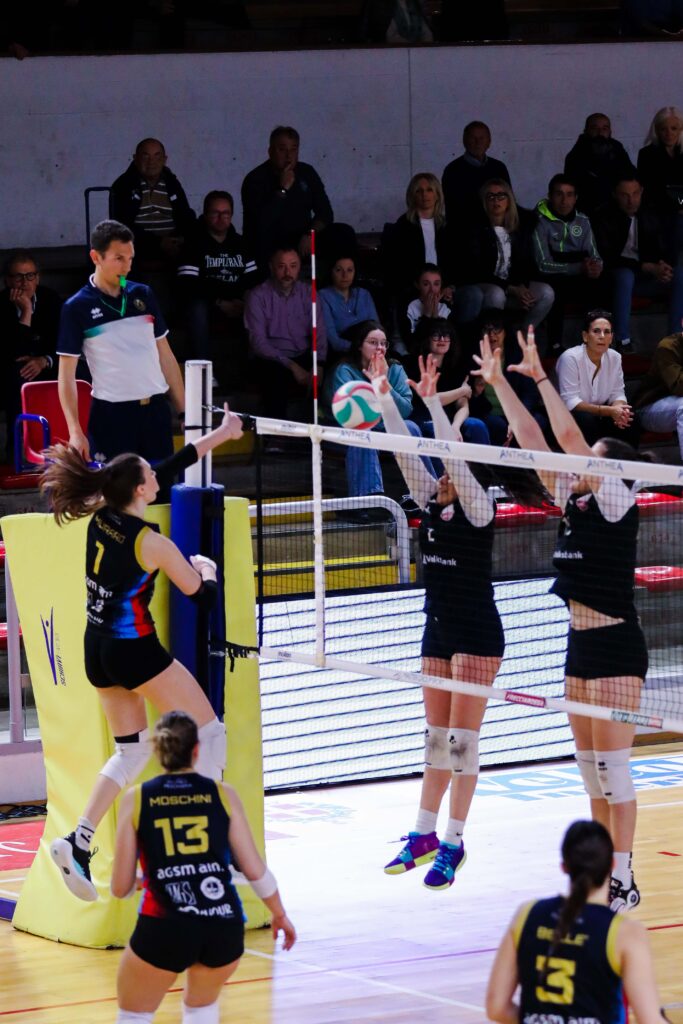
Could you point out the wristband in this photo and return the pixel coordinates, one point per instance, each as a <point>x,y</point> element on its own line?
<point>540,381</point>
<point>264,886</point>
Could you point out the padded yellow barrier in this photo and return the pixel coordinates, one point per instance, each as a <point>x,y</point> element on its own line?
<point>47,566</point>
<point>242,695</point>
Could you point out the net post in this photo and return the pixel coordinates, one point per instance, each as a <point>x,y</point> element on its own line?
<point>318,548</point>
<point>314,328</point>
<point>198,416</point>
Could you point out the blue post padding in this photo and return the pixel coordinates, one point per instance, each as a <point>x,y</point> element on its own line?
<point>197,528</point>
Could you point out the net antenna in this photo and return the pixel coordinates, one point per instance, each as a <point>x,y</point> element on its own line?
<point>314,327</point>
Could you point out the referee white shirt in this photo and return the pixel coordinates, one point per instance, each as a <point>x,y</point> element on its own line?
<point>580,380</point>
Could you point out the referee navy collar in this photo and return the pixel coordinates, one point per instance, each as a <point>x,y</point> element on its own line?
<point>105,298</point>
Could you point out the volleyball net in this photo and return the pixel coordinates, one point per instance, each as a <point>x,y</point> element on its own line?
<point>341,591</point>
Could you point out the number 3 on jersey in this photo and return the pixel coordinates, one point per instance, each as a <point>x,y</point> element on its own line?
<point>98,557</point>
<point>195,834</point>
<point>559,980</point>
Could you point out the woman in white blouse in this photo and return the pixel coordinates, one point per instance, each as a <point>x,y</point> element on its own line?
<point>590,380</point>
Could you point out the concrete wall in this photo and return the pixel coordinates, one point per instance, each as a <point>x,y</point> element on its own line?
<point>368,119</point>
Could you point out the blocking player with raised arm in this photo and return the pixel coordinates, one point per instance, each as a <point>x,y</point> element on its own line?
<point>572,956</point>
<point>184,829</point>
<point>595,558</point>
<point>124,658</point>
<point>463,637</point>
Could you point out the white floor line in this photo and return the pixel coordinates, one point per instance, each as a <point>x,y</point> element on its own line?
<point>370,981</point>
<point>8,892</point>
<point>22,879</point>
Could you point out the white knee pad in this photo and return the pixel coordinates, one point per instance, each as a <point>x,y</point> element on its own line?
<point>436,747</point>
<point>585,759</point>
<point>128,1017</point>
<point>614,773</point>
<point>128,760</point>
<point>201,1014</point>
<point>212,750</point>
<point>463,749</point>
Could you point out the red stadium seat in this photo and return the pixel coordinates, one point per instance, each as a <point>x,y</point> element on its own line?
<point>510,514</point>
<point>3,636</point>
<point>42,420</point>
<point>650,503</point>
<point>658,578</point>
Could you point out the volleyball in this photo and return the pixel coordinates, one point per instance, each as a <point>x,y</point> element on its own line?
<point>356,405</point>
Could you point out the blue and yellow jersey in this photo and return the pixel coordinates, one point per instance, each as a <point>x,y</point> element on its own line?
<point>582,984</point>
<point>182,823</point>
<point>119,585</point>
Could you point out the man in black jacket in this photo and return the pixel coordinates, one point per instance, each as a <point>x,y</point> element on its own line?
<point>282,199</point>
<point>595,163</point>
<point>463,177</point>
<point>149,199</point>
<point>29,322</point>
<point>215,271</point>
<point>629,239</point>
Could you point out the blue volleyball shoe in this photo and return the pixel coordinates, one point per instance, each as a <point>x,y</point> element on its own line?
<point>420,849</point>
<point>449,859</point>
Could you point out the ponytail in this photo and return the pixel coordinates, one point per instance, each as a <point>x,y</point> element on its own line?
<point>76,489</point>
<point>587,854</point>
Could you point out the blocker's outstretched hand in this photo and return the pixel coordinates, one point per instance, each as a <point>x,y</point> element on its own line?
<point>490,368</point>
<point>530,365</point>
<point>429,377</point>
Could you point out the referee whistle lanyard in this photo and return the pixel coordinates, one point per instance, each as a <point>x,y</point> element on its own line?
<point>124,299</point>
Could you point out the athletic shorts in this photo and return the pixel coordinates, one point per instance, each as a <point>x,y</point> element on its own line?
<point>606,652</point>
<point>111,661</point>
<point>172,944</point>
<point>481,635</point>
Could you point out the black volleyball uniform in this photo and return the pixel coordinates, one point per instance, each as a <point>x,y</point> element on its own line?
<point>462,617</point>
<point>190,911</point>
<point>583,982</point>
<point>121,644</point>
<point>595,560</point>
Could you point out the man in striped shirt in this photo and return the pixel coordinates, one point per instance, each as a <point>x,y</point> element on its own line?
<point>149,199</point>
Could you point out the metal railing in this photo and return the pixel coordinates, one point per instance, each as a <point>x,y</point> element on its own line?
<point>353,504</point>
<point>18,742</point>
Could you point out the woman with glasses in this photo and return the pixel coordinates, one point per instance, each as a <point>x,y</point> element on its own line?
<point>367,339</point>
<point>436,337</point>
<point>590,379</point>
<point>497,259</point>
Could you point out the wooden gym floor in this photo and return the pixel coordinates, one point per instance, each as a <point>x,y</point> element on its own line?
<point>374,948</point>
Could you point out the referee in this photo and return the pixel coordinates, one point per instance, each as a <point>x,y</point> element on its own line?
<point>118,326</point>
